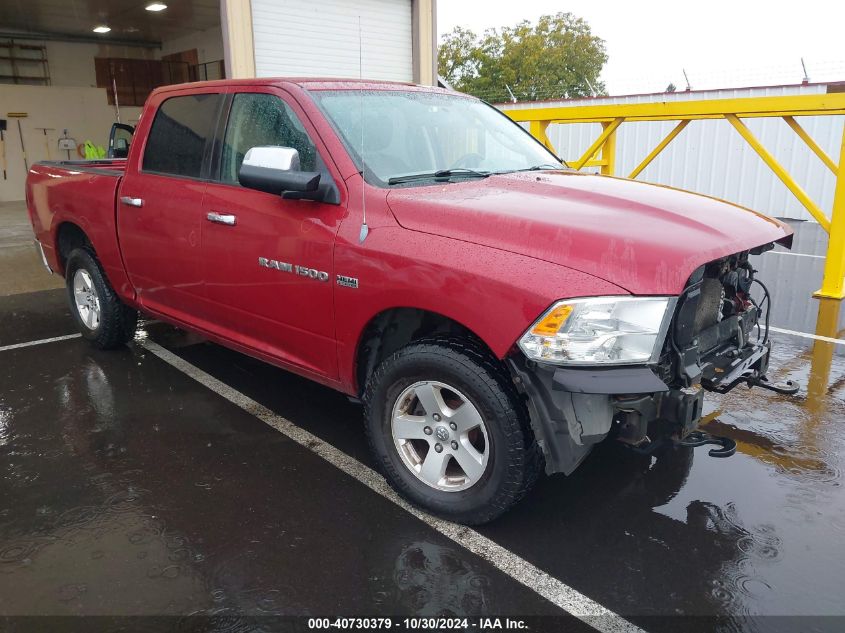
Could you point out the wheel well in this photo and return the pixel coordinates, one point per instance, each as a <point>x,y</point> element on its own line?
<point>395,328</point>
<point>68,237</point>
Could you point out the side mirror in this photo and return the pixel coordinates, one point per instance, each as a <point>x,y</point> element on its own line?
<point>275,170</point>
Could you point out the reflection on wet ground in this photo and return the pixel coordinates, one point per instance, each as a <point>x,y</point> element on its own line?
<point>127,488</point>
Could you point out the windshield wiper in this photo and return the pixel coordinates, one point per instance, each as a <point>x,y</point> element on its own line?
<point>438,175</point>
<point>544,166</point>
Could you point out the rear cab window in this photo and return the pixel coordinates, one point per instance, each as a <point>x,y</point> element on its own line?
<point>181,135</point>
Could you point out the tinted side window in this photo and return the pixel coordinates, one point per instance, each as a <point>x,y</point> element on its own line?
<point>263,119</point>
<point>178,136</point>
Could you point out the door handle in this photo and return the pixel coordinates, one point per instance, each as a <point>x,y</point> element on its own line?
<point>219,218</point>
<point>132,202</point>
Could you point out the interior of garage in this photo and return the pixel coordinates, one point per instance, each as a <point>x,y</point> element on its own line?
<point>70,68</point>
<point>62,74</point>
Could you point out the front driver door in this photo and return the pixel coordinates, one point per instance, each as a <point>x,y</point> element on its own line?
<point>269,272</point>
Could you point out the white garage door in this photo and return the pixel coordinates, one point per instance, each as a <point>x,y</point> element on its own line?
<point>320,38</point>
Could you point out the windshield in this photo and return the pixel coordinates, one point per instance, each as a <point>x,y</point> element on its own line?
<point>415,135</point>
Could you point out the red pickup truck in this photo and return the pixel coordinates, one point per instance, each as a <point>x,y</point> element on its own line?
<point>496,313</point>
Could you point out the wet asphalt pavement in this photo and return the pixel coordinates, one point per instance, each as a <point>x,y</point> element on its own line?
<point>127,488</point>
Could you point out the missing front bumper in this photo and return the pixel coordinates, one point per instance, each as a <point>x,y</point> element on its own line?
<point>573,409</point>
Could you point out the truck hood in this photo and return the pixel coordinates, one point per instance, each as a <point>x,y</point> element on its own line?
<point>645,238</point>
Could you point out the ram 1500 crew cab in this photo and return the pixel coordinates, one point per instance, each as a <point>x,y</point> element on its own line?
<point>497,314</point>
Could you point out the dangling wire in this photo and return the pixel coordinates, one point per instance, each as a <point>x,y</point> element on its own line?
<point>767,299</point>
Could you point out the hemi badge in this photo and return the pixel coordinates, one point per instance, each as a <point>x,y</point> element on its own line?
<point>347,282</point>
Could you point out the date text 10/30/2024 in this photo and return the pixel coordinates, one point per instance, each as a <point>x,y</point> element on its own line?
<point>435,624</point>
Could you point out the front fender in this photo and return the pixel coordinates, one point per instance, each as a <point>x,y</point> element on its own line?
<point>495,294</point>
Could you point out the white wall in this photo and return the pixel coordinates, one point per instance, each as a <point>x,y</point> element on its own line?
<point>72,63</point>
<point>209,45</point>
<point>85,113</point>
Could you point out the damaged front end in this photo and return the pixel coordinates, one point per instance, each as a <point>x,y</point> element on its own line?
<point>715,336</point>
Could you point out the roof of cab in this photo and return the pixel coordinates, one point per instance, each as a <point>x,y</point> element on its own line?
<point>307,83</point>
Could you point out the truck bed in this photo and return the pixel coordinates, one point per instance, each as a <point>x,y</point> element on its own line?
<point>106,165</point>
<point>83,192</point>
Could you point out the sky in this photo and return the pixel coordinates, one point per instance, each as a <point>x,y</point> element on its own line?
<point>721,44</point>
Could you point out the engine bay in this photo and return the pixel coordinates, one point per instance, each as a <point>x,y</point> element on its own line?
<point>718,327</point>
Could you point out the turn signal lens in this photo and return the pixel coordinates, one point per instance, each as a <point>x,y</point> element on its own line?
<point>551,323</point>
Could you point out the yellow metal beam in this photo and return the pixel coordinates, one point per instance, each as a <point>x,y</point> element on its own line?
<point>660,147</point>
<point>608,151</point>
<point>538,131</point>
<point>818,151</point>
<point>597,145</point>
<point>779,171</point>
<point>834,265</point>
<point>800,105</point>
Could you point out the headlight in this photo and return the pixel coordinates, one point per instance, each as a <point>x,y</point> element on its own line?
<point>600,330</point>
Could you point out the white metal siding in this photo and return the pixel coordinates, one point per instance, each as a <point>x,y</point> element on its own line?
<point>320,38</point>
<point>710,157</point>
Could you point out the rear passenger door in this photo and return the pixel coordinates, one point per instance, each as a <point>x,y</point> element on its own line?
<point>269,307</point>
<point>159,211</point>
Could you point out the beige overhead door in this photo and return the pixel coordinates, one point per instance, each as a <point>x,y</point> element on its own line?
<point>320,38</point>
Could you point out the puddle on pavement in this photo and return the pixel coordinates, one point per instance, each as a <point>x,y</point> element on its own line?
<point>782,496</point>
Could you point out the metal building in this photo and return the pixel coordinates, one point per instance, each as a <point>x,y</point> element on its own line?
<point>709,156</point>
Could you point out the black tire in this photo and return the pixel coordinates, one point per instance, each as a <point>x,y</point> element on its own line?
<point>515,461</point>
<point>117,321</point>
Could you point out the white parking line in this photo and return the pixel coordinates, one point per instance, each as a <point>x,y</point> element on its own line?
<point>793,254</point>
<point>550,588</point>
<point>816,337</point>
<point>42,341</point>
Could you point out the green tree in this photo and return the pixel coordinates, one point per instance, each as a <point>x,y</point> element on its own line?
<point>559,57</point>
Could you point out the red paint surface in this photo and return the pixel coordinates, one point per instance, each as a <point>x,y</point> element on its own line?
<point>490,254</point>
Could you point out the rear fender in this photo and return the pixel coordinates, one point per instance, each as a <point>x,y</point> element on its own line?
<point>83,196</point>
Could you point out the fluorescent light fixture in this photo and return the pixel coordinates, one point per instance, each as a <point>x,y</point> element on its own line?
<point>102,29</point>
<point>156,6</point>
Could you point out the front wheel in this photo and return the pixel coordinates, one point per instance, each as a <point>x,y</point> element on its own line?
<point>100,315</point>
<point>449,431</point>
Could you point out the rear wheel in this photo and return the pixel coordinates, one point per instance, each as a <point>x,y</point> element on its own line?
<point>449,431</point>
<point>101,317</point>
